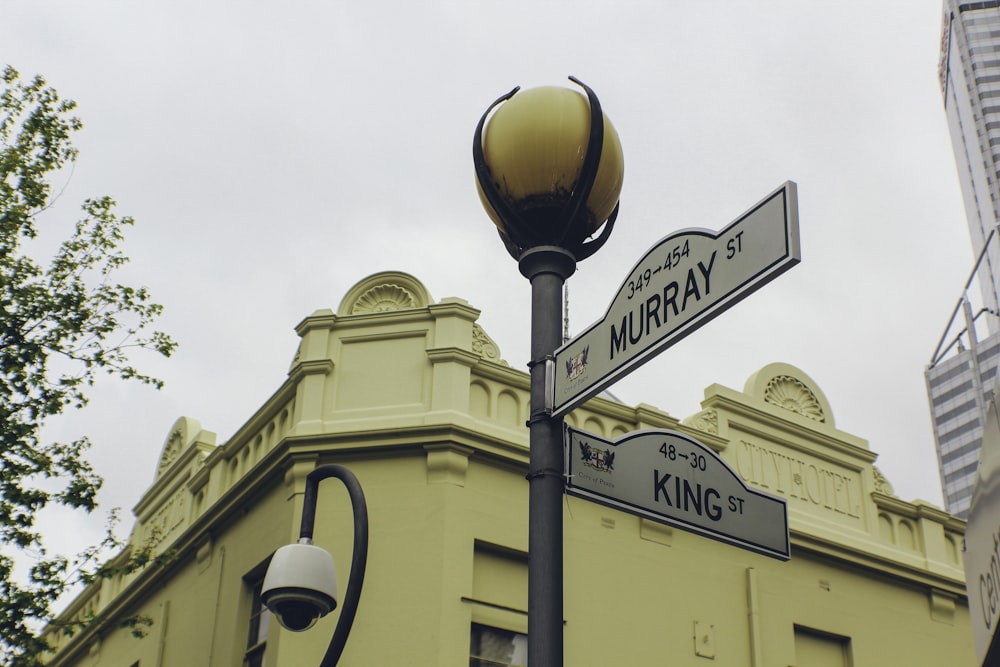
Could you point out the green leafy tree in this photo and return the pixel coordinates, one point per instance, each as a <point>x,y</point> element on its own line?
<point>63,322</point>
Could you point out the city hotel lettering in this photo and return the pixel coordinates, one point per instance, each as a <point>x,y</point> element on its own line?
<point>796,478</point>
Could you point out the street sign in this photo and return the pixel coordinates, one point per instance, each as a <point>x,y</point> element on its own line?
<point>982,543</point>
<point>668,477</point>
<point>680,284</point>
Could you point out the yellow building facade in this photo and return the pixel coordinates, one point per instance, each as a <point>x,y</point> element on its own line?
<point>413,396</point>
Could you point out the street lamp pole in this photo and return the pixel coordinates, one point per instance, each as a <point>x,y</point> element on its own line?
<point>547,267</point>
<point>549,170</point>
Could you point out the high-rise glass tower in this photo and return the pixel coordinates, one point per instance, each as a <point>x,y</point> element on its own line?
<point>961,375</point>
<point>969,72</point>
<point>963,369</point>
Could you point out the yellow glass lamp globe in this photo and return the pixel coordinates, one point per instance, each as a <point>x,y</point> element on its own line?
<point>534,146</point>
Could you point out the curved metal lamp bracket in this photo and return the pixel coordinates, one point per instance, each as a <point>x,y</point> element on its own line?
<point>585,250</point>
<point>359,556</point>
<point>485,176</point>
<point>517,236</point>
<point>591,161</point>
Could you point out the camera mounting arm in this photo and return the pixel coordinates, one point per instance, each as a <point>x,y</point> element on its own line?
<point>316,598</point>
<point>359,556</point>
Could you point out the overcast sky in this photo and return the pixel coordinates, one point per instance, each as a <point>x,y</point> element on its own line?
<point>274,154</point>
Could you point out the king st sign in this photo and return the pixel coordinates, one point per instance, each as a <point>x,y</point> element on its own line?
<point>669,477</point>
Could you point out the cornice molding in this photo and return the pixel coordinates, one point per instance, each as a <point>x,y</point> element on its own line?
<point>453,307</point>
<point>458,355</point>
<point>914,572</point>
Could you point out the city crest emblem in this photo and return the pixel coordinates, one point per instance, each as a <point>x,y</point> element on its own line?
<point>598,459</point>
<point>575,366</point>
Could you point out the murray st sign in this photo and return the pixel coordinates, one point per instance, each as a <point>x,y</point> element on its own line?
<point>671,478</point>
<point>681,283</point>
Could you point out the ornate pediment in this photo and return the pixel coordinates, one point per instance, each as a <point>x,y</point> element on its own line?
<point>384,298</point>
<point>706,421</point>
<point>384,293</point>
<point>171,450</point>
<point>882,484</point>
<point>792,394</point>
<point>787,387</point>
<point>185,433</point>
<point>485,346</point>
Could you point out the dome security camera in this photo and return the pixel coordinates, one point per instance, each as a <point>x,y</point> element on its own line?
<point>300,586</point>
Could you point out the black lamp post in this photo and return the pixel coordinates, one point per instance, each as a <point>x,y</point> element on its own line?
<point>549,168</point>
<point>300,586</point>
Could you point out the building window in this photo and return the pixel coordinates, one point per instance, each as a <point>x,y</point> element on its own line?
<point>260,620</point>
<point>814,648</point>
<point>492,647</point>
